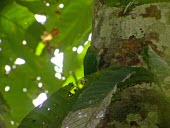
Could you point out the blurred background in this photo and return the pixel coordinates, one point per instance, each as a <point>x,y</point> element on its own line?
<point>42,46</point>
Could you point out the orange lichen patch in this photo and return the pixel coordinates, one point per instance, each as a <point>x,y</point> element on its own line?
<point>55,32</point>
<point>148,38</point>
<point>58,12</point>
<point>134,60</point>
<point>130,51</point>
<point>152,11</point>
<point>126,55</point>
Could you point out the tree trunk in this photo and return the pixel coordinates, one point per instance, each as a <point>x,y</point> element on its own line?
<point>132,33</point>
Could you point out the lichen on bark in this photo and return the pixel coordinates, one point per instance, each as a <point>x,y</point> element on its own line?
<point>137,108</point>
<point>121,35</point>
<point>114,28</point>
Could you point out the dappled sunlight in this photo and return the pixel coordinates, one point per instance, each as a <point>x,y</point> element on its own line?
<point>30,68</point>
<point>24,89</point>
<point>63,78</point>
<point>0,43</point>
<point>86,43</point>
<point>58,75</point>
<point>38,78</point>
<point>61,6</point>
<point>57,60</point>
<point>90,36</point>
<point>80,49</point>
<point>40,99</point>
<point>40,18</point>
<point>74,49</point>
<point>7,88</point>
<point>47,4</point>
<point>46,91</point>
<point>58,69</point>
<point>19,61</point>
<point>12,122</point>
<point>7,69</point>
<point>24,42</point>
<point>14,66</point>
<point>40,85</point>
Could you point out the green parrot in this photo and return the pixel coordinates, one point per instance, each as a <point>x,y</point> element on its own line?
<point>91,61</point>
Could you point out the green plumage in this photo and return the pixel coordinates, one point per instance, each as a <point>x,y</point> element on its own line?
<point>91,61</point>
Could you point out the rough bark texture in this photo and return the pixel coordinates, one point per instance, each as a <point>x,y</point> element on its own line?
<point>121,34</point>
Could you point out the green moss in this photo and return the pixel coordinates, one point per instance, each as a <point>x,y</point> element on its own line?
<point>133,118</point>
<point>138,107</point>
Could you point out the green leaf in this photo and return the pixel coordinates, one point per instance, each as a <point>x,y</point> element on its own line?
<point>21,21</point>
<point>34,6</point>
<point>4,112</point>
<point>158,65</point>
<point>91,104</point>
<point>91,61</point>
<point>73,25</point>
<point>51,113</point>
<point>155,61</point>
<point>13,30</point>
<point>52,1</point>
<point>17,23</point>
<point>145,56</point>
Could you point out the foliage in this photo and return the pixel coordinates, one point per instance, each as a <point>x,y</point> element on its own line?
<point>91,61</point>
<point>18,24</point>
<point>87,105</point>
<point>69,27</point>
<point>52,112</point>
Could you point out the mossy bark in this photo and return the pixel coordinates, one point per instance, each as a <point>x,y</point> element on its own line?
<point>121,33</point>
<point>138,108</point>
